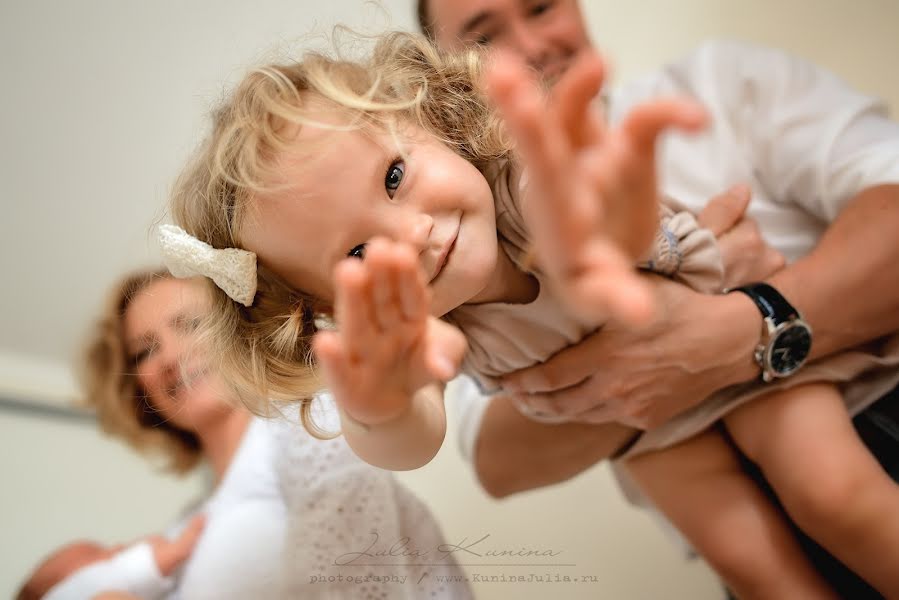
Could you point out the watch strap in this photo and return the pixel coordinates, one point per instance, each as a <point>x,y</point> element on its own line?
<point>769,301</point>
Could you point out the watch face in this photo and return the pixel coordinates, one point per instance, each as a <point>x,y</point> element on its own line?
<point>790,349</point>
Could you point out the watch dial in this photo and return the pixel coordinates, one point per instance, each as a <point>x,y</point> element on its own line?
<point>790,350</point>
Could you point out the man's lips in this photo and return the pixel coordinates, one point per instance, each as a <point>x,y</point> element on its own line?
<point>444,254</point>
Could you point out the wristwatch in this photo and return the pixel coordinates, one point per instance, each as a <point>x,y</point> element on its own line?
<point>786,339</point>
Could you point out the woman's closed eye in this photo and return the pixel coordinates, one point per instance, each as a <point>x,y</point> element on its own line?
<point>186,323</point>
<point>394,176</point>
<point>143,354</point>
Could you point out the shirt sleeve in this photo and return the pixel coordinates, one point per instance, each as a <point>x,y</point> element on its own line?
<point>466,407</point>
<point>813,140</point>
<point>133,570</point>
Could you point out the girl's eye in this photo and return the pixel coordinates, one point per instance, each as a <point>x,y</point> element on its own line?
<point>357,252</point>
<point>394,177</point>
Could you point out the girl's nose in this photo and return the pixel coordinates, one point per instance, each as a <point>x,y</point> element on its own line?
<point>418,231</point>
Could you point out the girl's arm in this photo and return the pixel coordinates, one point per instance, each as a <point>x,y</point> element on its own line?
<point>406,442</point>
<point>387,359</point>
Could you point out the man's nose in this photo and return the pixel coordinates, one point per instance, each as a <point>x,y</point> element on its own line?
<point>528,42</point>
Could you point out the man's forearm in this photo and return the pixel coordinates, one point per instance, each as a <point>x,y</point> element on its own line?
<point>514,454</point>
<point>848,287</point>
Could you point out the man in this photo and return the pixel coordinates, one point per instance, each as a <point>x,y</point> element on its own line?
<point>705,343</point>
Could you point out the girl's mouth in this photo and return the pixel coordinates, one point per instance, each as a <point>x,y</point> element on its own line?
<point>444,255</point>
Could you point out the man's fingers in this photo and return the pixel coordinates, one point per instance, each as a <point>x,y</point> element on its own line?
<point>725,210</point>
<point>646,122</point>
<point>569,367</point>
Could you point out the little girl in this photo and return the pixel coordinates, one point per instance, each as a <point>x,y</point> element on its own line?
<point>401,162</point>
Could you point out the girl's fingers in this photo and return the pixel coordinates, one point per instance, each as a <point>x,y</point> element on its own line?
<point>537,133</point>
<point>415,299</point>
<point>328,351</point>
<point>561,229</point>
<point>574,100</point>
<point>382,261</point>
<point>353,307</point>
<point>446,347</point>
<point>610,285</point>
<point>645,122</point>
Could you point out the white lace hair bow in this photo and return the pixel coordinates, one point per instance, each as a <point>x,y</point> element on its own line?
<point>233,270</point>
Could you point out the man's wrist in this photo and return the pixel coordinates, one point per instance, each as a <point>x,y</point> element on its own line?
<point>737,315</point>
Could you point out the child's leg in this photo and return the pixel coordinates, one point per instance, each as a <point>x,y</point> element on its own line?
<point>804,443</point>
<point>700,486</point>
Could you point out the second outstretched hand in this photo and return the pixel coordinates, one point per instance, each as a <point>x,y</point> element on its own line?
<point>386,346</point>
<point>592,195</point>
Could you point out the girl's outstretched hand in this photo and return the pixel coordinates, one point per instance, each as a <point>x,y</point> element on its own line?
<point>592,195</point>
<point>386,346</point>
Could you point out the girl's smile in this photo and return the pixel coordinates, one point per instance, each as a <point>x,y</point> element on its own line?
<point>337,189</point>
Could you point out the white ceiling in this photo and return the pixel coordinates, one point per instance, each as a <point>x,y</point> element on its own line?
<point>102,100</point>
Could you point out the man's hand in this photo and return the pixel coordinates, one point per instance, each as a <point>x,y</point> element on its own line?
<point>696,345</point>
<point>170,554</point>
<point>592,197</point>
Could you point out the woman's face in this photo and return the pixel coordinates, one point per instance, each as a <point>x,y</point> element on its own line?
<point>159,326</point>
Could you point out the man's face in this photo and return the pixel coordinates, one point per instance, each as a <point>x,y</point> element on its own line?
<point>547,34</point>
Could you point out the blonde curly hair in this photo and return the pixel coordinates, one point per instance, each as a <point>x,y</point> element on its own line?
<point>265,349</point>
<point>111,387</point>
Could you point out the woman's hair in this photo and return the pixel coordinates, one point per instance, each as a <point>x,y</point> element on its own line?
<point>265,349</point>
<point>111,387</point>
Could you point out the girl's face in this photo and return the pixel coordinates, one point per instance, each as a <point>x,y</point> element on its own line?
<point>159,327</point>
<point>343,188</point>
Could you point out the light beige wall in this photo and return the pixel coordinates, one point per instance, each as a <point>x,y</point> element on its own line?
<point>857,40</point>
<point>102,100</point>
<point>61,481</point>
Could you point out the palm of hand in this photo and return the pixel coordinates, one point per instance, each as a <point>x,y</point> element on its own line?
<point>592,199</point>
<point>387,346</point>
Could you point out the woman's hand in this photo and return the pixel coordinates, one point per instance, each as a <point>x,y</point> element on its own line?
<point>386,346</point>
<point>592,197</point>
